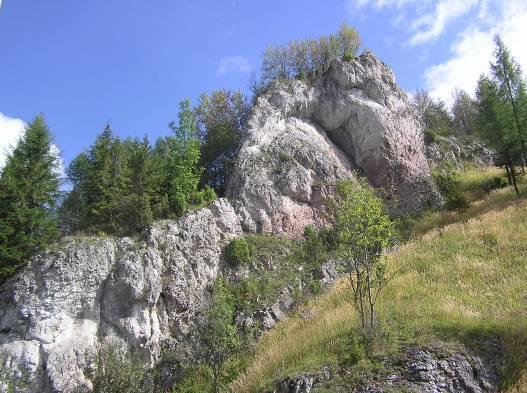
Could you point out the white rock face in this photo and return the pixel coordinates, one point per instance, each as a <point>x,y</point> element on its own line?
<point>87,292</point>
<point>303,139</point>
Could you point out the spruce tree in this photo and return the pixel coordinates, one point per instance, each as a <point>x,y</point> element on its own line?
<point>508,74</point>
<point>29,189</point>
<point>495,126</point>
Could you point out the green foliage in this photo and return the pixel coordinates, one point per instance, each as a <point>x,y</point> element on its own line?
<point>118,372</point>
<point>501,101</point>
<point>433,115</point>
<point>364,231</point>
<point>447,181</point>
<point>305,59</point>
<point>182,171</point>
<point>196,379</point>
<point>28,196</point>
<point>494,184</point>
<point>464,113</point>
<point>218,333</point>
<point>430,136</point>
<point>221,118</point>
<point>120,187</point>
<point>238,252</point>
<point>11,380</point>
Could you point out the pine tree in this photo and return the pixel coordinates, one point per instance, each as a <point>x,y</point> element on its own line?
<point>507,72</point>
<point>495,125</point>
<point>29,189</point>
<point>107,184</point>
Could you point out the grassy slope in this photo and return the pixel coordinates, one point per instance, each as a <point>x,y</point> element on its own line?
<point>466,281</point>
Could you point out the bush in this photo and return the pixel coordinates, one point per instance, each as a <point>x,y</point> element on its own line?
<point>209,195</point>
<point>348,56</point>
<point>430,136</point>
<point>179,204</point>
<point>238,252</point>
<point>119,372</point>
<point>456,201</point>
<point>494,184</point>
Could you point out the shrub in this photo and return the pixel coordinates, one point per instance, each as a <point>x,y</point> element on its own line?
<point>117,371</point>
<point>430,136</point>
<point>348,56</point>
<point>179,204</point>
<point>456,201</point>
<point>209,195</point>
<point>494,184</point>
<point>238,252</point>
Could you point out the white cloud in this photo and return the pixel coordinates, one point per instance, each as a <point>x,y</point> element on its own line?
<point>431,17</point>
<point>431,25</point>
<point>233,64</point>
<point>472,50</point>
<point>10,131</point>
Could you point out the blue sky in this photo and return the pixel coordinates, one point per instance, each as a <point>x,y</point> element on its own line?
<point>83,63</point>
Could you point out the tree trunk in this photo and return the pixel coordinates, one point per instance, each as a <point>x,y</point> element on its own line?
<point>509,178</point>
<point>513,176</point>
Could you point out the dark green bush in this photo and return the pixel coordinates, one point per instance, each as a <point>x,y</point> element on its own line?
<point>456,201</point>
<point>179,204</point>
<point>494,184</point>
<point>238,252</point>
<point>430,136</point>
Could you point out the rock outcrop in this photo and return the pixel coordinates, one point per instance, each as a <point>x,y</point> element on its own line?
<point>303,138</point>
<point>142,294</point>
<point>458,151</point>
<point>420,369</point>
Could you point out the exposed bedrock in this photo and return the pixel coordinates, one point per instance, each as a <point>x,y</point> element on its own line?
<point>302,139</point>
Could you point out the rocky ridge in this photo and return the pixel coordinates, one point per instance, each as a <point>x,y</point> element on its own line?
<point>303,138</point>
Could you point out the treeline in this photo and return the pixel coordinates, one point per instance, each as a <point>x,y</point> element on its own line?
<point>117,186</point>
<point>439,120</point>
<point>497,114</point>
<point>121,186</point>
<point>305,59</point>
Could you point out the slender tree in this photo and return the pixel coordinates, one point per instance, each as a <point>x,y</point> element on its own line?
<point>29,189</point>
<point>364,231</point>
<point>507,72</point>
<point>218,333</point>
<point>495,125</point>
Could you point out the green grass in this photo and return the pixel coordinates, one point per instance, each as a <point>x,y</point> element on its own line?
<point>464,281</point>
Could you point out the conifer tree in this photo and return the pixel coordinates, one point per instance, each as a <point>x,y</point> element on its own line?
<point>508,74</point>
<point>495,125</point>
<point>29,189</point>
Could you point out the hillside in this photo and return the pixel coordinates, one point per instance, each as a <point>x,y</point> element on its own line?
<point>461,285</point>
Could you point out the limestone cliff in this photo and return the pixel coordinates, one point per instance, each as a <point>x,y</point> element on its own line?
<point>303,138</point>
<point>141,293</point>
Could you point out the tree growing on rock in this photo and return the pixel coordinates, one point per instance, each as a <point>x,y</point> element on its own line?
<point>29,190</point>
<point>364,232</point>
